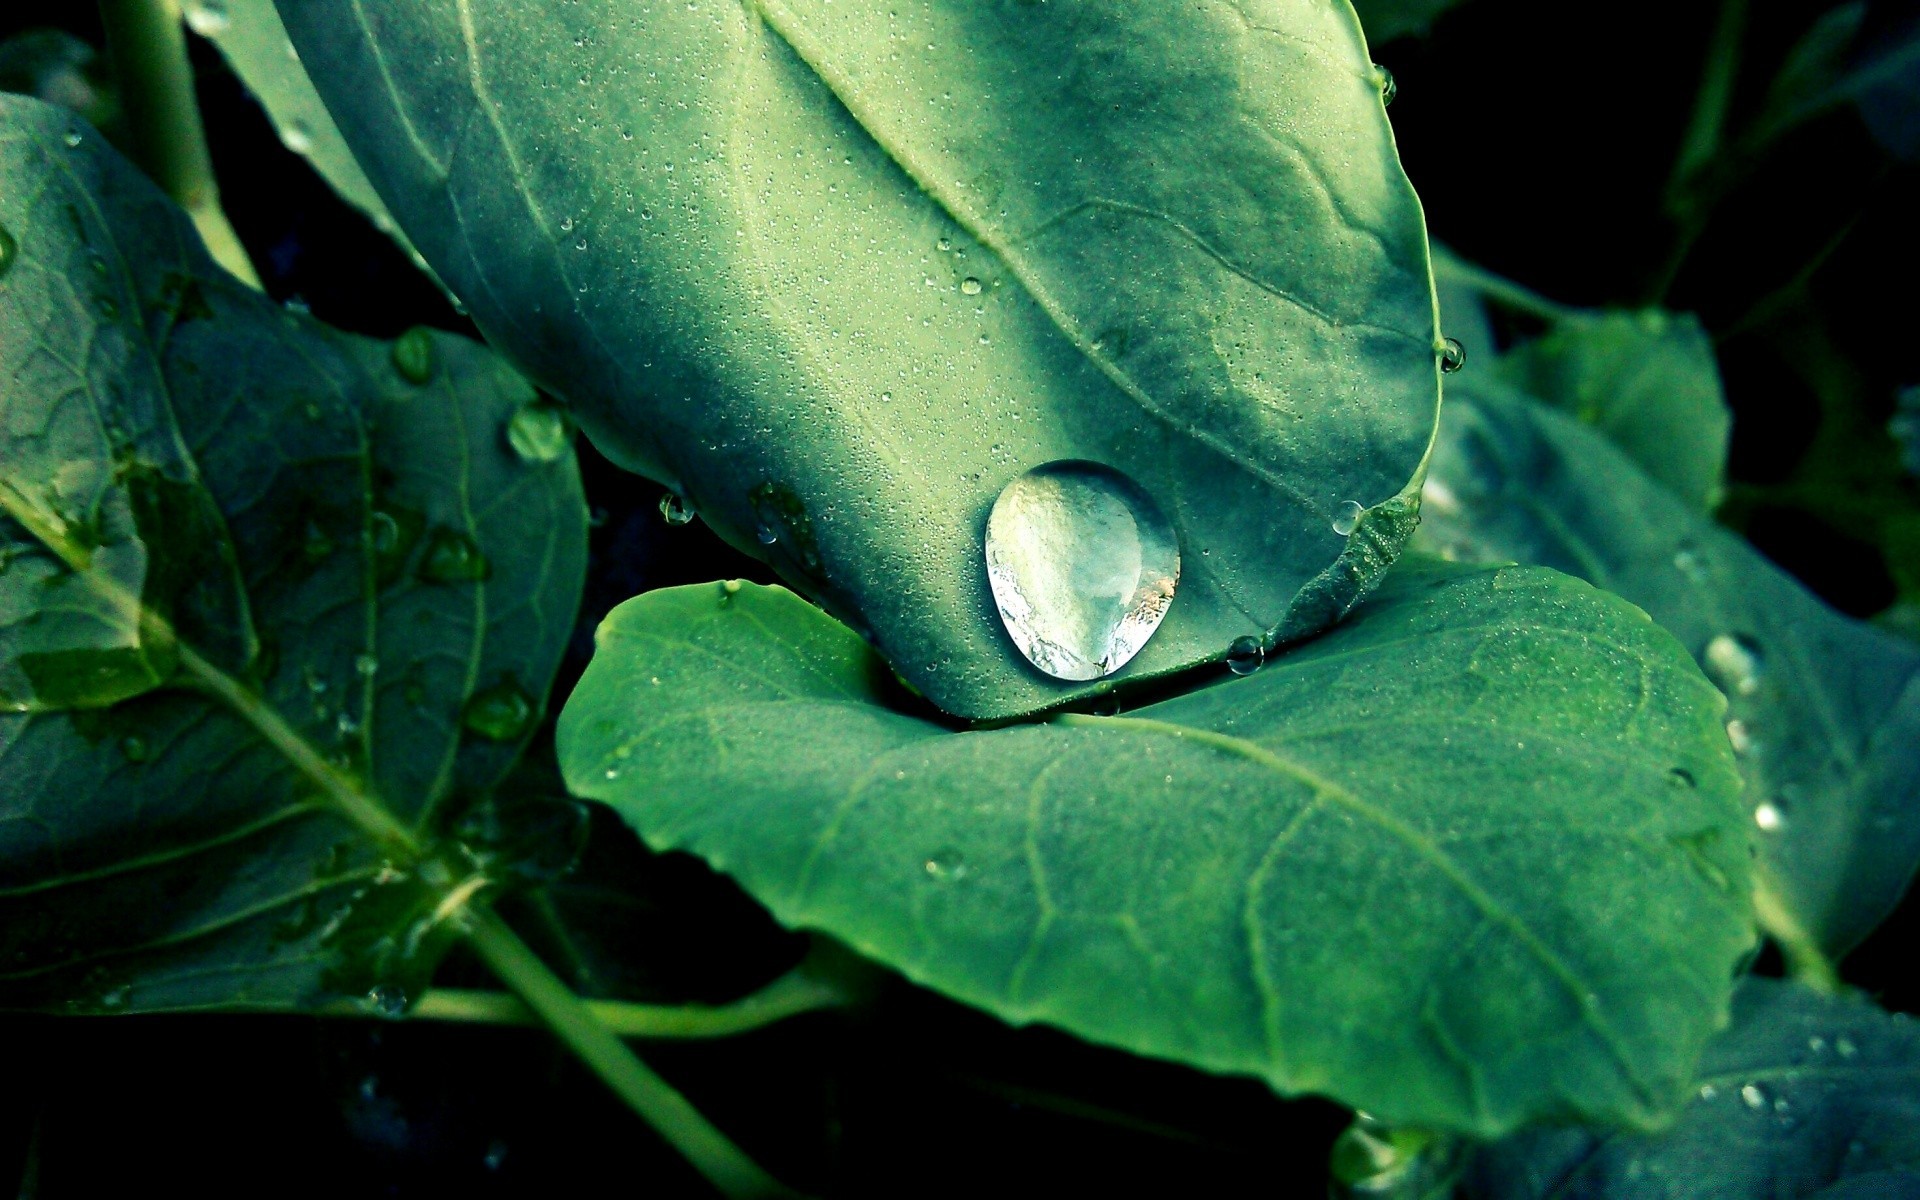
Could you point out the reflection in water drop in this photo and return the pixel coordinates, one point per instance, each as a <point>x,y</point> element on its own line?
<point>1083,566</point>
<point>1735,663</point>
<point>1245,656</point>
<point>675,509</point>
<point>1346,518</point>
<point>540,432</point>
<point>1453,355</point>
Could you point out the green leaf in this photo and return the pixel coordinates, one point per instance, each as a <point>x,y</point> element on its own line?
<point>255,44</point>
<point>1805,1091</point>
<point>100,501</point>
<point>1824,710</point>
<point>841,271</point>
<point>1648,380</point>
<point>1471,859</point>
<point>222,842</point>
<point>1386,20</point>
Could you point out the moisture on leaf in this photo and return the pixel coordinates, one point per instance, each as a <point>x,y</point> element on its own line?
<point>245,840</point>
<point>880,260</point>
<point>1540,921</point>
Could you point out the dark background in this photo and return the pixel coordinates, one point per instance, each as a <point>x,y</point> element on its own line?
<point>1540,136</point>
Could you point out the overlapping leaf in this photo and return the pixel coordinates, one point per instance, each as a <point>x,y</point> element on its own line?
<point>1471,859</point>
<point>839,272</point>
<point>1805,1095</point>
<point>410,579</point>
<point>1825,711</point>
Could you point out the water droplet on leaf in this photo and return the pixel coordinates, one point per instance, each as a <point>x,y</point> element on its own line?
<point>1346,518</point>
<point>1735,663</point>
<point>297,137</point>
<point>208,18</point>
<point>386,1000</point>
<point>1453,355</point>
<point>414,355</point>
<point>452,557</point>
<point>1769,817</point>
<point>73,139</point>
<point>134,747</point>
<point>1389,86</point>
<point>946,866</point>
<point>1245,655</point>
<point>1083,566</point>
<point>970,286</point>
<point>365,665</point>
<point>540,432</point>
<point>500,713</point>
<point>675,510</point>
<point>1753,1096</point>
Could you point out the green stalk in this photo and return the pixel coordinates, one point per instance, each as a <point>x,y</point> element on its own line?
<point>724,1164</point>
<point>1502,291</point>
<point>148,47</point>
<point>1701,146</point>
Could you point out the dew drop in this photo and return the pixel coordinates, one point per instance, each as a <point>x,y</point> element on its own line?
<point>1083,566</point>
<point>134,747</point>
<point>540,432</point>
<point>452,557</point>
<point>9,251</point>
<point>500,713</point>
<point>383,532</point>
<point>1453,355</point>
<point>1688,562</point>
<point>413,355</point>
<point>1844,1047</point>
<point>1346,518</point>
<point>1389,86</point>
<point>946,866</point>
<point>1734,662</point>
<point>297,136</point>
<point>1740,735</point>
<point>1769,817</point>
<point>1753,1096</point>
<point>73,139</point>
<point>387,1000</point>
<point>970,286</point>
<point>675,510</point>
<point>1245,655</point>
<point>208,18</point>
<point>767,534</point>
<point>365,666</point>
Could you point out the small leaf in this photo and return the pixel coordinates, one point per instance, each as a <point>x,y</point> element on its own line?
<point>869,262</point>
<point>187,848</point>
<point>1805,1091</point>
<point>1471,859</point>
<point>1648,380</point>
<point>1824,711</point>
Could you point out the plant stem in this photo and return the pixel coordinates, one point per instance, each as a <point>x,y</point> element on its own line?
<point>1499,289</point>
<point>149,52</point>
<point>724,1164</point>
<point>1806,962</point>
<point>1707,127</point>
<point>792,994</point>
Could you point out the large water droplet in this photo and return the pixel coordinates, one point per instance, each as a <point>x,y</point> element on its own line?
<point>387,1000</point>
<point>540,432</point>
<point>970,286</point>
<point>500,713</point>
<point>1453,355</point>
<point>675,509</point>
<point>1389,86</point>
<point>1245,655</point>
<point>1734,662</point>
<point>1083,566</point>
<point>1346,518</point>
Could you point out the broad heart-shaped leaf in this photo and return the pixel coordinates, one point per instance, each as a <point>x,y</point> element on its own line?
<point>841,271</point>
<point>1471,859</point>
<point>1803,1092</point>
<point>93,457</point>
<point>1825,710</point>
<point>1648,380</point>
<point>412,580</point>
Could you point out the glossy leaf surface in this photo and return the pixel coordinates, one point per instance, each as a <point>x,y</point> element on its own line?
<point>1541,921</point>
<point>402,564</point>
<point>1824,710</point>
<point>839,271</point>
<point>1805,1095</point>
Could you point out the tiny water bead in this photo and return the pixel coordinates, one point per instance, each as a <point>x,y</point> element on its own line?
<point>675,509</point>
<point>540,432</point>
<point>1083,566</point>
<point>1453,355</point>
<point>1734,663</point>
<point>946,866</point>
<point>500,713</point>
<point>1346,518</point>
<point>1245,655</point>
<point>1770,817</point>
<point>452,557</point>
